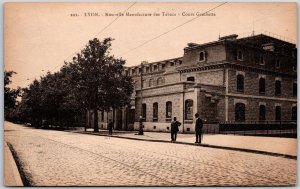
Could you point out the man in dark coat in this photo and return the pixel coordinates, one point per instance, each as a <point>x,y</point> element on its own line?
<point>198,128</point>
<point>110,127</point>
<point>174,129</point>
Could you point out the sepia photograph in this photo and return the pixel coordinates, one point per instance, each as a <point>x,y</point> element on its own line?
<point>150,94</point>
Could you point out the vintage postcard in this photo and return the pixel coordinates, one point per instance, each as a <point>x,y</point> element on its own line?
<point>150,94</point>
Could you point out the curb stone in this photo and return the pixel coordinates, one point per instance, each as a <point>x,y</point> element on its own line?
<point>202,145</point>
<point>11,164</point>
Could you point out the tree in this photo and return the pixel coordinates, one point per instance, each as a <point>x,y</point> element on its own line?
<point>92,81</point>
<point>10,95</point>
<point>98,79</point>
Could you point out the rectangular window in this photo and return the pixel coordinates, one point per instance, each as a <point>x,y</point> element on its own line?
<point>240,56</point>
<point>202,56</point>
<point>240,83</point>
<point>277,64</point>
<point>277,113</point>
<point>295,68</point>
<point>294,88</point>
<point>144,111</point>
<point>294,113</point>
<point>261,60</point>
<point>102,116</point>
<point>155,111</point>
<point>169,110</point>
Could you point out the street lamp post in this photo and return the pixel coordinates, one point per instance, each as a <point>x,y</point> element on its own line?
<point>141,132</point>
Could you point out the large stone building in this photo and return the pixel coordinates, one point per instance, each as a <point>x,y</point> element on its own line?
<point>231,79</point>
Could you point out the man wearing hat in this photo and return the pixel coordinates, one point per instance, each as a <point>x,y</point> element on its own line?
<point>198,128</point>
<point>174,129</point>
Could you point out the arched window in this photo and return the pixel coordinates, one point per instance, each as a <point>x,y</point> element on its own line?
<point>159,81</point>
<point>191,79</point>
<point>169,109</point>
<point>239,112</point>
<point>189,109</point>
<point>136,84</point>
<point>155,111</point>
<point>277,87</point>
<point>294,113</point>
<point>277,113</point>
<point>202,56</point>
<point>150,82</point>
<point>262,113</point>
<point>143,83</point>
<point>133,71</point>
<point>144,110</point>
<point>240,83</point>
<point>262,85</point>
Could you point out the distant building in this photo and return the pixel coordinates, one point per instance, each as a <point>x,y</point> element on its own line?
<point>232,79</point>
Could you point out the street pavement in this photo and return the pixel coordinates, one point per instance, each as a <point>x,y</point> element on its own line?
<point>55,158</point>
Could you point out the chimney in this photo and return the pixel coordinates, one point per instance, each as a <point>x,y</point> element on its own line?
<point>269,46</point>
<point>192,44</point>
<point>228,37</point>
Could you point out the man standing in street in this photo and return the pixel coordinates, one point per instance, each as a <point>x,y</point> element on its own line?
<point>174,129</point>
<point>198,128</point>
<point>110,127</point>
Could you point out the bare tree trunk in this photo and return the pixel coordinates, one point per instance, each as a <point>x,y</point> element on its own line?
<point>86,120</point>
<point>113,118</point>
<point>96,127</point>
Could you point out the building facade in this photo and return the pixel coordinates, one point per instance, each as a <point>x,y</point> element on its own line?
<point>229,80</point>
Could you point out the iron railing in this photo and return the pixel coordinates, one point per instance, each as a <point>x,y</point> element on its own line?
<point>274,128</point>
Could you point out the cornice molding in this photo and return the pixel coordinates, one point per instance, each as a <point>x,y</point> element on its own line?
<point>233,65</point>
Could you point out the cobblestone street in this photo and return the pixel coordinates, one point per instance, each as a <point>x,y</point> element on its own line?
<point>55,158</point>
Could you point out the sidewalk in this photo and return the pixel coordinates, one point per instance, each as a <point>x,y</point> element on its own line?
<point>276,146</point>
<point>11,172</point>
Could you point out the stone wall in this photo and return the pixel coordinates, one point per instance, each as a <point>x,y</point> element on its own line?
<point>252,108</point>
<point>251,84</point>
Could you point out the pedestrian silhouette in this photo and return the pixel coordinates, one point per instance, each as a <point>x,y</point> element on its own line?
<point>174,129</point>
<point>198,128</point>
<point>110,127</point>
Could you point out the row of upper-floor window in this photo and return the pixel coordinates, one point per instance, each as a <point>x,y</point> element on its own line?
<point>240,85</point>
<point>240,112</point>
<point>261,60</point>
<point>150,82</point>
<point>240,57</point>
<point>151,68</point>
<point>188,114</point>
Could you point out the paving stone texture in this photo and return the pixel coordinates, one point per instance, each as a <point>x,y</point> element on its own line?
<point>55,158</point>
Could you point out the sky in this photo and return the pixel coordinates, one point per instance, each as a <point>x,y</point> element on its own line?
<point>39,37</point>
